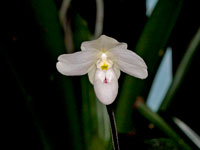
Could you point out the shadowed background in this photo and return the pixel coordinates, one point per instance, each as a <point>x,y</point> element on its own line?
<point>44,110</point>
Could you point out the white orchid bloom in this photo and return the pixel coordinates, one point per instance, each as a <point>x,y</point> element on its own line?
<point>103,59</point>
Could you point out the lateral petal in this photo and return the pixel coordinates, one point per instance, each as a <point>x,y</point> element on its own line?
<point>129,62</point>
<point>77,63</point>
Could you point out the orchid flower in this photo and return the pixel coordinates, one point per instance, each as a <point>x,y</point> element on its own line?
<point>103,59</point>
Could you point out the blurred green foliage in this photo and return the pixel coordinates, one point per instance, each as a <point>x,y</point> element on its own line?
<point>152,40</point>
<point>181,71</point>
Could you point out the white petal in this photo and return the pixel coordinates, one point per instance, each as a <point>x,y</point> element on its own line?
<point>120,46</point>
<point>116,70</point>
<point>100,75</point>
<point>106,92</point>
<point>102,43</point>
<point>129,62</point>
<point>91,73</point>
<point>77,63</point>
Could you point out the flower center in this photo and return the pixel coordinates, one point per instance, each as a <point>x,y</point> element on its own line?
<point>104,66</point>
<point>104,63</point>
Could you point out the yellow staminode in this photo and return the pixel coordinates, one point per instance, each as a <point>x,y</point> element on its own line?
<point>104,66</point>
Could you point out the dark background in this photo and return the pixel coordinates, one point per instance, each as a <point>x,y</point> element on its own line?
<point>26,72</point>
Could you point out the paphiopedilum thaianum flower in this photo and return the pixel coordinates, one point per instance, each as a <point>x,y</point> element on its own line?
<point>103,59</point>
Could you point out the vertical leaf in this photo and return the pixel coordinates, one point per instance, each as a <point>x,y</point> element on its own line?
<point>161,124</point>
<point>152,40</point>
<point>46,16</point>
<point>181,71</point>
<point>96,129</point>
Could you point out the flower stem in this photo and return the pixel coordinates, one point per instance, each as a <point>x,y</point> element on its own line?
<point>113,127</point>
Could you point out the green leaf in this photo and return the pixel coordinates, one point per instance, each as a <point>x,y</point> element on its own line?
<point>182,70</point>
<point>162,125</point>
<point>46,16</point>
<point>153,40</point>
<point>96,125</point>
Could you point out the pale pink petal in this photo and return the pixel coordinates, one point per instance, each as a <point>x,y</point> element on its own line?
<point>106,91</point>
